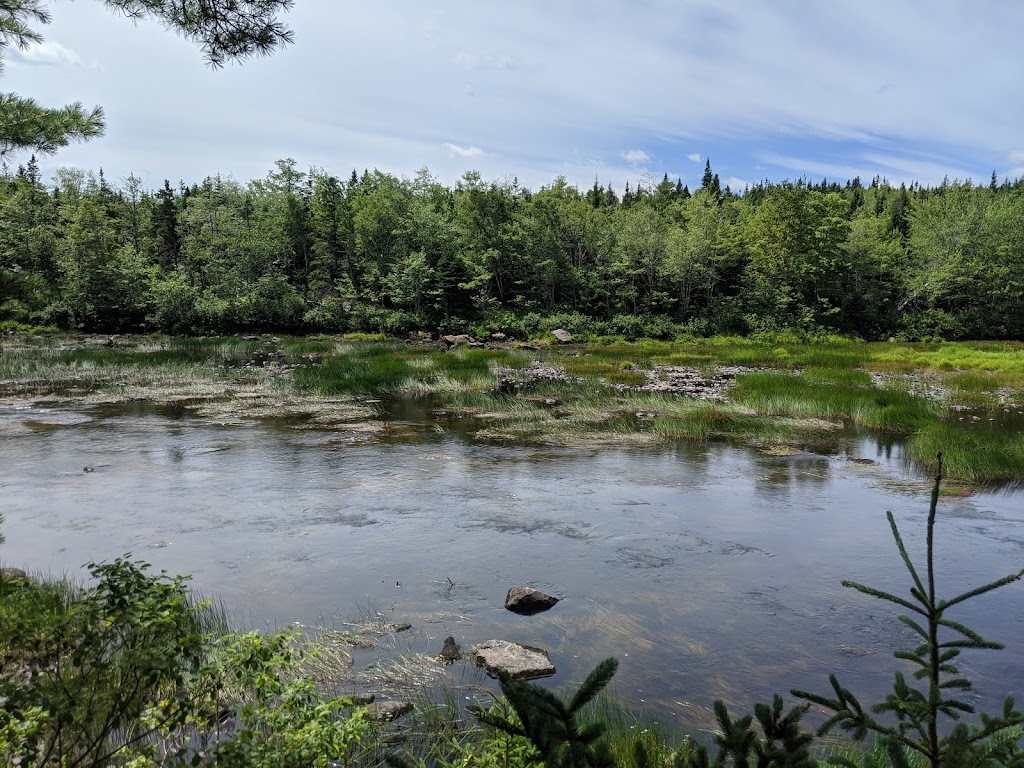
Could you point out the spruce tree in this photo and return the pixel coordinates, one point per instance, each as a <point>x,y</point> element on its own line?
<point>918,711</point>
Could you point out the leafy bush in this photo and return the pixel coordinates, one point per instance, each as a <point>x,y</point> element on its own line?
<point>122,672</point>
<point>271,303</point>
<point>174,305</point>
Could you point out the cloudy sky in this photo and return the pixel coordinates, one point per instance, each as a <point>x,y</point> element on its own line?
<point>613,89</point>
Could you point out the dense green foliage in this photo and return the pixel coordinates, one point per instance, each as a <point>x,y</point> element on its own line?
<point>128,671</point>
<point>375,253</point>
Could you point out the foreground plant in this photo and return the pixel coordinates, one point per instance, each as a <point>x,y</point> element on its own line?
<point>124,673</point>
<point>919,711</point>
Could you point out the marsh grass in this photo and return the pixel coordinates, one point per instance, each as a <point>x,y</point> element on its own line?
<point>802,397</point>
<point>774,394</point>
<point>991,458</point>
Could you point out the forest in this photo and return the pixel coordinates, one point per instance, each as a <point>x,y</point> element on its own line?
<point>307,251</point>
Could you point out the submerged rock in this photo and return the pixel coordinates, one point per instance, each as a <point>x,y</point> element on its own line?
<point>518,661</point>
<point>385,711</point>
<point>380,628</point>
<point>450,652</point>
<point>528,601</point>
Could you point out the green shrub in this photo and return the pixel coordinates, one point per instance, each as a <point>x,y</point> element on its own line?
<point>125,672</point>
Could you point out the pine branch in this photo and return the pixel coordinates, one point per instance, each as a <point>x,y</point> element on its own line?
<point>883,595</point>
<point>903,552</point>
<point>594,684</point>
<point>24,123</point>
<point>977,641</point>
<point>225,30</point>
<point>943,605</point>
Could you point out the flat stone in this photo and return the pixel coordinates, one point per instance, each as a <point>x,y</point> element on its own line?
<point>528,601</point>
<point>518,661</point>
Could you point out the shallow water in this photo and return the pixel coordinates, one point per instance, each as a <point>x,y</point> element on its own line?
<point>711,571</point>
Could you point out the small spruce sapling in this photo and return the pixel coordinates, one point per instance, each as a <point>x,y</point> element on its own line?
<point>554,725</point>
<point>917,710</point>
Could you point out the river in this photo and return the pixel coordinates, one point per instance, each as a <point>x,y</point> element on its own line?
<point>710,571</point>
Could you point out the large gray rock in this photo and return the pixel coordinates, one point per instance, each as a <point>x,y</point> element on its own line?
<point>528,601</point>
<point>12,573</point>
<point>563,336</point>
<point>519,661</point>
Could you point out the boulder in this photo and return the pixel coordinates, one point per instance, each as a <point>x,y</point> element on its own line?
<point>520,662</point>
<point>528,601</point>
<point>359,699</point>
<point>499,336</point>
<point>12,573</point>
<point>563,336</point>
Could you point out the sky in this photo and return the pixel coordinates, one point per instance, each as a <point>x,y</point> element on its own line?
<point>614,90</point>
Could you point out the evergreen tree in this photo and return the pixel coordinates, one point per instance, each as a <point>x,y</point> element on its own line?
<point>708,178</point>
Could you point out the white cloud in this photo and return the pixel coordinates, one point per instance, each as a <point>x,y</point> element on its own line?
<point>737,184</point>
<point>636,157</point>
<point>48,53</point>
<point>473,61</point>
<point>799,79</point>
<point>456,151</point>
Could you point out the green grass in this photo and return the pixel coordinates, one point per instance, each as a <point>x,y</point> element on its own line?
<point>980,458</point>
<point>775,394</point>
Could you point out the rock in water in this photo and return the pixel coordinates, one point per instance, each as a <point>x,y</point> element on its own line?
<point>563,336</point>
<point>386,711</point>
<point>451,652</point>
<point>519,661</point>
<point>528,601</point>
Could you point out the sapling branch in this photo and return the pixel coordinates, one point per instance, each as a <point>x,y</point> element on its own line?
<point>917,712</point>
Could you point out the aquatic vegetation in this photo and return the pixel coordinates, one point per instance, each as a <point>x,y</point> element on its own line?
<point>786,395</point>
<point>799,396</point>
<point>981,458</point>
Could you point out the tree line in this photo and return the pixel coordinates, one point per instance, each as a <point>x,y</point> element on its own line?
<point>306,250</point>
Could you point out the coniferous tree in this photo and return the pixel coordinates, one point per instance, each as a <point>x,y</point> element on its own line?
<point>918,710</point>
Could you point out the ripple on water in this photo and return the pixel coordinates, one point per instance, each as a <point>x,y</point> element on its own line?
<point>702,580</point>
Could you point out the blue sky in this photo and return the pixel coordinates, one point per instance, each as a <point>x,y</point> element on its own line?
<point>621,91</point>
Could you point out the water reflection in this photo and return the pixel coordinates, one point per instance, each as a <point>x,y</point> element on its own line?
<point>709,570</point>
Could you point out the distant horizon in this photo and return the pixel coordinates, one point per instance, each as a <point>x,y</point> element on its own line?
<point>11,168</point>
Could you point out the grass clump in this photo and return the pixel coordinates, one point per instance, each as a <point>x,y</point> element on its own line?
<point>774,394</point>
<point>980,458</point>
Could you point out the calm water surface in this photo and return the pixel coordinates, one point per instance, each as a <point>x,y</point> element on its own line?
<point>710,571</point>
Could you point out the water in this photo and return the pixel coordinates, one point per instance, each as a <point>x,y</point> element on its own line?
<point>711,571</point>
